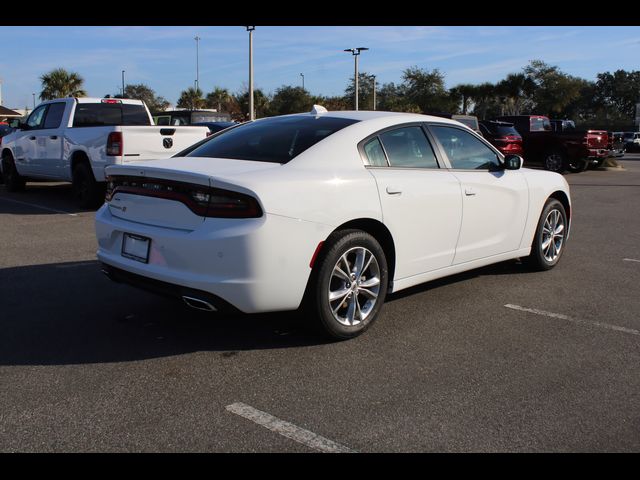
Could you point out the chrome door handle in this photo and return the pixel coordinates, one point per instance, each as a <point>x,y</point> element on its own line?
<point>393,190</point>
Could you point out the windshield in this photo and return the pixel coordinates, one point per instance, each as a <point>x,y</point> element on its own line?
<point>277,139</point>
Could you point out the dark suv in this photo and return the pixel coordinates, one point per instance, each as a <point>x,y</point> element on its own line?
<point>503,136</point>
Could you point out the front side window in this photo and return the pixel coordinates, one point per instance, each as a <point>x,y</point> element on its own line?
<point>37,117</point>
<point>408,147</point>
<point>54,115</point>
<point>276,140</point>
<point>464,150</point>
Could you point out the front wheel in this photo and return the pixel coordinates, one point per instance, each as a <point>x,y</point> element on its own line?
<point>350,285</point>
<point>555,161</point>
<point>550,238</point>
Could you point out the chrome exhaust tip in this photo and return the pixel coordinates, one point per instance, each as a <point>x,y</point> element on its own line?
<point>198,304</point>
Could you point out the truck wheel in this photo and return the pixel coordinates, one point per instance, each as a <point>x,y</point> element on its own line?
<point>13,180</point>
<point>555,161</point>
<point>577,166</point>
<point>349,286</point>
<point>550,238</point>
<point>88,192</point>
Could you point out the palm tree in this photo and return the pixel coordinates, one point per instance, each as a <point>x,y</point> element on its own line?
<point>191,98</point>
<point>516,92</point>
<point>218,97</point>
<point>59,83</point>
<point>466,91</point>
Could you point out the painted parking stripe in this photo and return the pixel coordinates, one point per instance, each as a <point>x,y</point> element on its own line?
<point>39,206</point>
<point>630,260</point>
<point>287,429</point>
<point>574,320</point>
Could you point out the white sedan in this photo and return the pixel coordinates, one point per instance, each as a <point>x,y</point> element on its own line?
<point>327,212</point>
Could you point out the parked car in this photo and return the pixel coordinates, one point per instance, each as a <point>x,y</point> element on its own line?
<point>560,146</point>
<point>468,120</point>
<point>632,141</point>
<point>74,139</point>
<point>189,117</point>
<point>503,136</point>
<point>5,129</point>
<point>616,144</point>
<point>214,126</point>
<point>328,212</point>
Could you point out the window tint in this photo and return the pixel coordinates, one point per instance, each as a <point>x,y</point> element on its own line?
<point>277,139</point>
<point>539,124</point>
<point>36,117</point>
<point>464,150</point>
<point>499,129</point>
<point>375,154</point>
<point>408,147</point>
<point>109,114</point>
<point>54,115</point>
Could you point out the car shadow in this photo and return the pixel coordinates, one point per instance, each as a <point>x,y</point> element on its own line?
<point>40,198</point>
<point>70,313</point>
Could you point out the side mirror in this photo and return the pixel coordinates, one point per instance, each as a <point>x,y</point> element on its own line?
<point>513,162</point>
<point>22,126</point>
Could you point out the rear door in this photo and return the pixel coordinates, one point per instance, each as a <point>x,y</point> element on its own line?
<point>495,201</point>
<point>421,202</point>
<point>50,163</point>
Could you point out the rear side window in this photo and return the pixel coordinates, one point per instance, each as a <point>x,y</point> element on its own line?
<point>276,140</point>
<point>408,147</point>
<point>109,114</point>
<point>54,115</point>
<point>375,154</point>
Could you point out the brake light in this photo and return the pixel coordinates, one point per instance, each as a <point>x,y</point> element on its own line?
<point>201,200</point>
<point>111,100</point>
<point>114,144</point>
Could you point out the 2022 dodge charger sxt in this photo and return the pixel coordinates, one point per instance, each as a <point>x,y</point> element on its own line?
<point>327,211</point>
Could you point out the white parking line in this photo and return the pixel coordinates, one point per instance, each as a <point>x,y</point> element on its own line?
<point>630,260</point>
<point>39,206</point>
<point>574,320</point>
<point>287,429</point>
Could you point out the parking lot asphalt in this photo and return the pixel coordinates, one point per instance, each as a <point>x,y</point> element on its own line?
<point>497,359</point>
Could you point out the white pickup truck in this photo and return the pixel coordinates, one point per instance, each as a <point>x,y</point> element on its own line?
<point>74,139</point>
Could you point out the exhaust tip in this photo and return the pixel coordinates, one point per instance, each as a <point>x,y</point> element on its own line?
<point>199,304</point>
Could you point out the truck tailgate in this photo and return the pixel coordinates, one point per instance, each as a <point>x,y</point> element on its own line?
<point>154,142</point>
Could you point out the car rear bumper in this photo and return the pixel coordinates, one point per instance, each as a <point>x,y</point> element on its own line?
<point>254,265</point>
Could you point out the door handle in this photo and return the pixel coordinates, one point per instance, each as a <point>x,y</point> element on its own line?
<point>393,190</point>
<point>53,137</point>
<point>469,192</point>
<point>32,138</point>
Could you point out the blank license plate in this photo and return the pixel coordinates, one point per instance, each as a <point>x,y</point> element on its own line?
<point>136,247</point>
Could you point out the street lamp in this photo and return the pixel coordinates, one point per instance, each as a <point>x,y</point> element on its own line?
<point>356,52</point>
<point>250,29</point>
<point>197,39</point>
<point>302,75</point>
<point>34,100</point>
<point>122,83</point>
<point>374,92</point>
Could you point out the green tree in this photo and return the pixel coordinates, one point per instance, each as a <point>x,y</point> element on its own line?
<point>516,94</point>
<point>260,103</point>
<point>219,99</point>
<point>191,98</point>
<point>365,91</point>
<point>463,94</point>
<point>143,92</point>
<point>289,99</point>
<point>554,89</point>
<point>426,90</point>
<point>486,103</point>
<point>618,92</point>
<point>60,83</point>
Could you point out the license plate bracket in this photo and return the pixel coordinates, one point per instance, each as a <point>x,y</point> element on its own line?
<point>136,247</point>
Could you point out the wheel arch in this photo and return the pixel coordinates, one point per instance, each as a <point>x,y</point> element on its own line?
<point>79,156</point>
<point>564,200</point>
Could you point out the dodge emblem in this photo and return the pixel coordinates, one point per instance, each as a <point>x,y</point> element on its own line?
<point>167,142</point>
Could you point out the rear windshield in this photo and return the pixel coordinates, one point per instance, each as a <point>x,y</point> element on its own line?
<point>110,114</point>
<point>276,140</point>
<point>540,124</point>
<point>500,130</point>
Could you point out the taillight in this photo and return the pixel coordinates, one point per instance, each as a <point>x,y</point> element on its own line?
<point>201,200</point>
<point>114,144</point>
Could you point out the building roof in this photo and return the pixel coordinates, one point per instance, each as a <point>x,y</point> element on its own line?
<point>6,112</point>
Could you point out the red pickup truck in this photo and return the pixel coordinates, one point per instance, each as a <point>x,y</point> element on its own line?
<point>557,145</point>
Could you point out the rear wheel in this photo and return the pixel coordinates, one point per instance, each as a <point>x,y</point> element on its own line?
<point>555,161</point>
<point>13,180</point>
<point>577,166</point>
<point>348,289</point>
<point>550,237</point>
<point>88,192</point>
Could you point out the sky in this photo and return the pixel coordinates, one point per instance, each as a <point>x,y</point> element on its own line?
<point>164,58</point>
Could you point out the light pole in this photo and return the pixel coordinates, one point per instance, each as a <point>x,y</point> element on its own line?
<point>374,92</point>
<point>250,29</point>
<point>197,39</point>
<point>122,83</point>
<point>356,52</point>
<point>34,100</point>
<point>302,75</point>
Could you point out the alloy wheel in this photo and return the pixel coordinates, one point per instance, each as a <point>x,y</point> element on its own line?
<point>552,235</point>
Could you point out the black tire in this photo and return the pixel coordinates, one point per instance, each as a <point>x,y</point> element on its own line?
<point>324,279</point>
<point>540,258</point>
<point>555,161</point>
<point>13,181</point>
<point>88,192</point>
<point>577,166</point>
